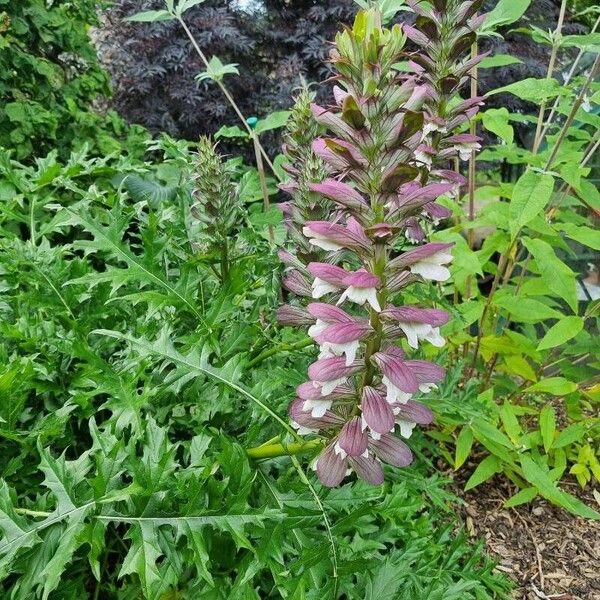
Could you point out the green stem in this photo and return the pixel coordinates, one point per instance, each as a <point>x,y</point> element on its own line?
<point>282,348</point>
<point>226,93</point>
<point>263,180</point>
<point>555,45</point>
<point>225,261</point>
<point>275,450</point>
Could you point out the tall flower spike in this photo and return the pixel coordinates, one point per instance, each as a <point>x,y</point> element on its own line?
<point>444,33</point>
<point>361,388</point>
<point>216,204</point>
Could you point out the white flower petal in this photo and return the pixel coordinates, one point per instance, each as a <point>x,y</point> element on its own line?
<point>406,427</point>
<point>320,288</point>
<point>430,271</point>
<point>317,407</point>
<point>328,386</point>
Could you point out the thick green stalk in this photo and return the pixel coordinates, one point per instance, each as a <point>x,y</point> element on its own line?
<point>281,449</point>
<point>282,348</point>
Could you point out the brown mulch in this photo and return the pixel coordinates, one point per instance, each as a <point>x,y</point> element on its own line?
<point>549,553</point>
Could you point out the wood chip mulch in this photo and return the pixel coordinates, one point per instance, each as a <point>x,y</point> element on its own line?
<point>549,553</point>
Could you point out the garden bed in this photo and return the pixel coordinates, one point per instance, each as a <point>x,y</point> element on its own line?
<point>549,553</point>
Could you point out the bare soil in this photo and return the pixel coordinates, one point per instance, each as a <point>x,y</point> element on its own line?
<point>549,553</point>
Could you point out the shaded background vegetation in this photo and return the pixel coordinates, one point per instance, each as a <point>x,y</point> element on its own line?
<point>277,44</point>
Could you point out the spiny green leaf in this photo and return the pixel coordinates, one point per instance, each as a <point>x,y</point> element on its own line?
<point>193,364</point>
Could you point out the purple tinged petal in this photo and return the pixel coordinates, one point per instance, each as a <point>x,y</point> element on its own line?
<point>368,468</point>
<point>437,212</point>
<point>353,440</point>
<point>397,371</point>
<point>331,121</point>
<point>288,187</point>
<point>376,411</point>
<point>331,468</point>
<point>329,273</point>
<point>298,284</point>
<point>414,314</point>
<point>339,94</point>
<point>328,313</point>
<point>339,192</point>
<point>330,369</point>
<point>425,371</point>
<point>451,176</point>
<point>392,451</point>
<point>415,35</point>
<point>293,315</point>
<point>303,418</point>
<point>344,333</point>
<point>462,138</point>
<point>309,391</point>
<point>415,412</point>
<point>417,254</point>
<point>362,279</point>
<point>338,234</point>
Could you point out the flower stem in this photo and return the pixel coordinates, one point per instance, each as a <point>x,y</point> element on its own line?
<point>281,449</point>
<point>227,94</point>
<point>263,180</point>
<point>282,348</point>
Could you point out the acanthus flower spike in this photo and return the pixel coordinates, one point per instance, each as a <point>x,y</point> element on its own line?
<point>384,152</point>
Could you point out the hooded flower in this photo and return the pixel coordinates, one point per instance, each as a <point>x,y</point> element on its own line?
<point>361,287</point>
<point>418,323</point>
<point>328,373</point>
<point>427,261</point>
<point>331,236</point>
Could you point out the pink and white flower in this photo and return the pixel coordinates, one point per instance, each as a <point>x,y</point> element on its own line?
<point>361,287</point>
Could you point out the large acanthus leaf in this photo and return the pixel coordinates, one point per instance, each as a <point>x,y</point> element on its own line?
<point>192,365</point>
<point>144,270</point>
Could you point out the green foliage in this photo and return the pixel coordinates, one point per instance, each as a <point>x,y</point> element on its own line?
<point>133,379</point>
<point>49,77</point>
<point>530,338</point>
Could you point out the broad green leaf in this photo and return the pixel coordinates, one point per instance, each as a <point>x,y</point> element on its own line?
<point>504,13</point>
<point>186,5</point>
<point>496,120</point>
<point>518,365</point>
<point>487,468</point>
<point>547,422</point>
<point>533,90</point>
<point>151,16</point>
<point>464,443</point>
<point>573,433</point>
<point>530,197</point>
<point>537,477</point>
<point>556,386</point>
<point>498,60</point>
<point>556,274</point>
<point>274,121</point>
<point>232,131</point>
<point>590,42</point>
<point>216,70</point>
<point>483,429</point>
<point>521,497</point>
<point>561,332</point>
<point>580,233</point>
<point>526,310</point>
<point>510,422</point>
